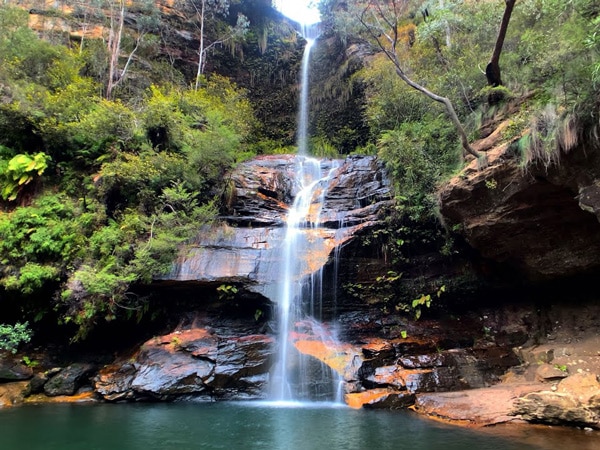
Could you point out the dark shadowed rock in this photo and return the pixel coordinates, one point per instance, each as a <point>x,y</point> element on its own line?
<point>194,362</point>
<point>393,400</point>
<point>12,369</point>
<point>68,380</point>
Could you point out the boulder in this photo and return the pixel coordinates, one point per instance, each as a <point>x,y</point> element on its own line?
<point>575,401</point>
<point>68,380</point>
<point>12,369</point>
<point>581,386</point>
<point>195,362</point>
<point>555,408</point>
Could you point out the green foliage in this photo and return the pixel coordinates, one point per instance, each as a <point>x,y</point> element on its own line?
<point>11,336</point>
<point>561,367</point>
<point>227,292</point>
<point>20,171</point>
<point>425,300</point>
<point>322,148</point>
<point>390,102</point>
<point>29,362</point>
<point>418,155</point>
<point>384,291</point>
<point>37,243</point>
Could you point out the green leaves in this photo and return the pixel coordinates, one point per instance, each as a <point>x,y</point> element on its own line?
<point>11,336</point>
<point>20,171</point>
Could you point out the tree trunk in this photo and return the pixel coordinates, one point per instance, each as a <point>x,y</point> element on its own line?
<point>492,70</point>
<point>379,33</point>
<point>114,47</point>
<point>464,140</point>
<point>201,48</point>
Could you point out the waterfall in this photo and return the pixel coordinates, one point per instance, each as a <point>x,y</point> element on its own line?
<point>298,377</point>
<point>302,137</point>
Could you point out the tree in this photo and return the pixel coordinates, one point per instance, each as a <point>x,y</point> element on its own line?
<point>146,22</point>
<point>492,70</point>
<point>205,10</point>
<point>381,19</point>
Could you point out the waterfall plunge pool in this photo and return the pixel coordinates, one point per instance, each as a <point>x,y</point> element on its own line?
<point>257,425</point>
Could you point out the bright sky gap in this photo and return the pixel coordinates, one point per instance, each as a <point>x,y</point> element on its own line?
<point>302,11</point>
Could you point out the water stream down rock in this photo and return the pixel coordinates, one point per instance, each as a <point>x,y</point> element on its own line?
<point>247,248</point>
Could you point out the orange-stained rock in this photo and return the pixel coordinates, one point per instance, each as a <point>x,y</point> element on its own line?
<point>83,397</point>
<point>12,394</point>
<point>483,406</point>
<point>339,357</point>
<point>356,400</point>
<point>379,398</point>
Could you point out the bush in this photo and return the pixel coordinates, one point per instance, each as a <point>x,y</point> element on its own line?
<point>11,336</point>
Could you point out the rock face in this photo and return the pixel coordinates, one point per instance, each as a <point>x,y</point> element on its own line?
<point>542,219</point>
<point>194,362</point>
<point>247,250</point>
<point>575,401</point>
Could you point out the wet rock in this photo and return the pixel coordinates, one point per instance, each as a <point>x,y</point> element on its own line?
<point>12,369</point>
<point>37,383</point>
<point>261,190</point>
<point>424,361</point>
<point>379,398</point>
<point>195,362</point>
<point>393,400</point>
<point>387,376</point>
<point>247,251</point>
<point>113,382</point>
<point>68,380</point>
<point>12,394</point>
<point>379,352</point>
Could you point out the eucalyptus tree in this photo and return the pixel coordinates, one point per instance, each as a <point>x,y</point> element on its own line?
<point>382,20</point>
<point>206,10</point>
<point>147,20</point>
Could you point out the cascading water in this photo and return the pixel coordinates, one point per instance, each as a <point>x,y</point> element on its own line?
<point>302,137</point>
<point>298,377</point>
